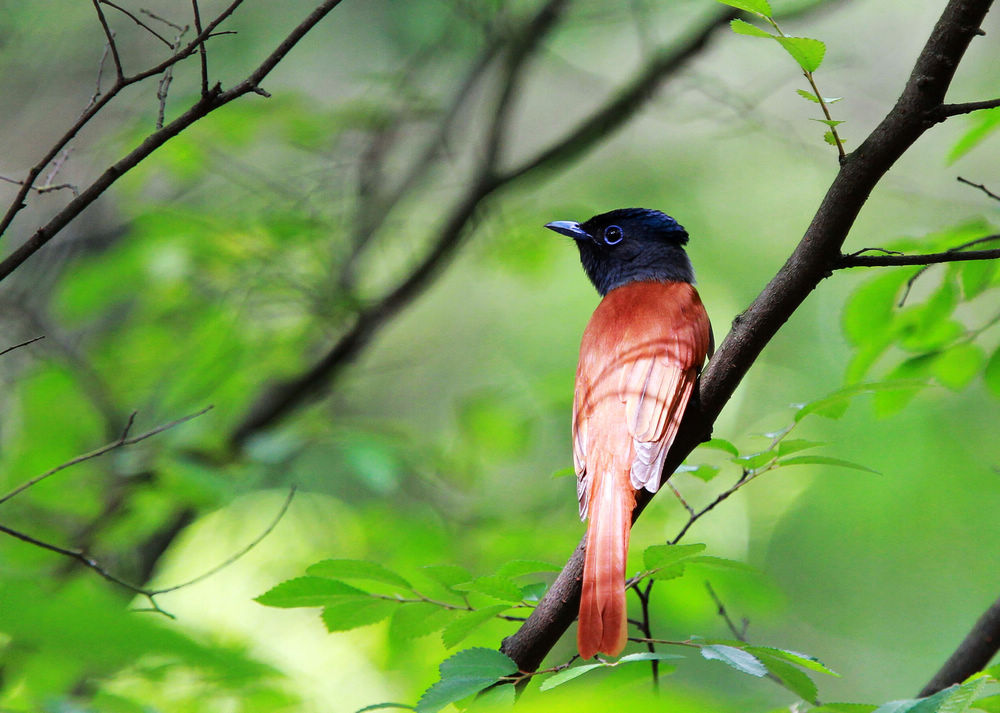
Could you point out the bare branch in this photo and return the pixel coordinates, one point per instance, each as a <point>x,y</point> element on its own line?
<point>201,48</point>
<point>111,41</point>
<point>139,22</point>
<point>205,105</point>
<point>22,344</point>
<point>123,441</point>
<point>978,647</point>
<point>980,186</point>
<point>953,255</point>
<point>150,594</point>
<point>948,110</point>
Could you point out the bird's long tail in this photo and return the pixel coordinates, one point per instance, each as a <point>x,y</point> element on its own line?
<point>603,614</point>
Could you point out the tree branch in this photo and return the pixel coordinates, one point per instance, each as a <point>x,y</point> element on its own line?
<point>846,261</point>
<point>946,111</point>
<point>977,648</point>
<point>812,260</point>
<point>209,102</point>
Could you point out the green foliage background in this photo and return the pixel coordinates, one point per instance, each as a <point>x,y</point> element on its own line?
<point>207,274</point>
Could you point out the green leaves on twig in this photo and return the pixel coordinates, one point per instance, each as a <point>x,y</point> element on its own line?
<point>807,52</point>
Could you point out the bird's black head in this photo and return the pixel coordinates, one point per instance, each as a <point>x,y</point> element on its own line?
<point>629,245</point>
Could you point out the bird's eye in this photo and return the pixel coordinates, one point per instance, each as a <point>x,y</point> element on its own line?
<point>613,235</point>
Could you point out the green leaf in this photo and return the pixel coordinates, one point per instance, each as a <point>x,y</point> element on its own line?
<point>870,310</point>
<point>568,674</point>
<point>990,704</point>
<point>564,472</point>
<point>658,556</point>
<point>356,569</point>
<point>648,656</point>
<point>741,27</point>
<point>384,706</point>
<point>737,658</point>
<point>519,568</point>
<point>825,460</point>
<point>721,444</point>
<point>411,621</point>
<point>468,622</point>
<point>793,679</point>
<point>835,405</point>
<point>351,612</point>
<point>799,659</point>
<point>702,471</point>
<point>466,672</point>
<point>448,575</point>
<point>983,123</point>
<point>757,7</point>
<point>962,697</point>
<point>829,138</point>
<point>917,705</point>
<point>955,367</point>
<point>976,276</point>
<point>307,592</point>
<point>493,585</point>
<point>804,50</point>
<point>992,373</point>
<point>829,122</point>
<point>813,98</point>
<point>844,708</point>
<point>753,461</point>
<point>794,445</point>
<point>721,563</point>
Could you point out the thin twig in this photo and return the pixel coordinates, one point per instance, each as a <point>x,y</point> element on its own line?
<point>46,188</point>
<point>139,22</point>
<point>124,440</point>
<point>22,344</point>
<point>149,594</point>
<point>111,41</point>
<point>948,110</point>
<point>741,632</point>
<point>149,13</point>
<point>201,48</point>
<point>980,186</point>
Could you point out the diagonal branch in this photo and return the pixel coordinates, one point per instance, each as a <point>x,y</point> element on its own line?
<point>812,261</point>
<point>977,648</point>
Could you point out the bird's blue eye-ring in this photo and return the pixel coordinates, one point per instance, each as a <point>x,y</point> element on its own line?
<point>613,235</point>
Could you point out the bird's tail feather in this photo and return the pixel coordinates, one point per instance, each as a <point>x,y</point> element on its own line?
<point>603,614</point>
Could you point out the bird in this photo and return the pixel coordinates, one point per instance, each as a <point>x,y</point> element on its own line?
<point>641,354</point>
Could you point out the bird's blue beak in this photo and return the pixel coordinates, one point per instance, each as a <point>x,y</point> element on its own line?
<point>569,228</point>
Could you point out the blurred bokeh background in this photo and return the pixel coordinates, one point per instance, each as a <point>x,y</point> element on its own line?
<point>237,256</point>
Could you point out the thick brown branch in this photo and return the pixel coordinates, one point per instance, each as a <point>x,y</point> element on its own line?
<point>811,261</point>
<point>977,648</point>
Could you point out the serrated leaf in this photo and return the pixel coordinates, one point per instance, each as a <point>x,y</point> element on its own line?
<point>466,672</point>
<point>356,569</point>
<point>721,563</point>
<point>456,632</point>
<point>758,7</point>
<point>658,556</point>
<point>753,461</point>
<point>351,612</point>
<point>804,50</point>
<point>917,705</point>
<point>448,575</point>
<point>568,674</point>
<point>307,592</point>
<point>384,706</point>
<point>825,460</point>
<point>519,568</point>
<point>671,571</point>
<point>701,471</point>
<point>648,656</point>
<point>794,445</point>
<point>960,701</point>
<point>813,98</point>
<point>741,27</point>
<point>413,620</point>
<point>829,122</point>
<point>494,698</point>
<point>721,444</point>
<point>799,659</point>
<point>792,678</point>
<point>835,405</point>
<point>829,138</point>
<point>737,658</point>
<point>493,585</point>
